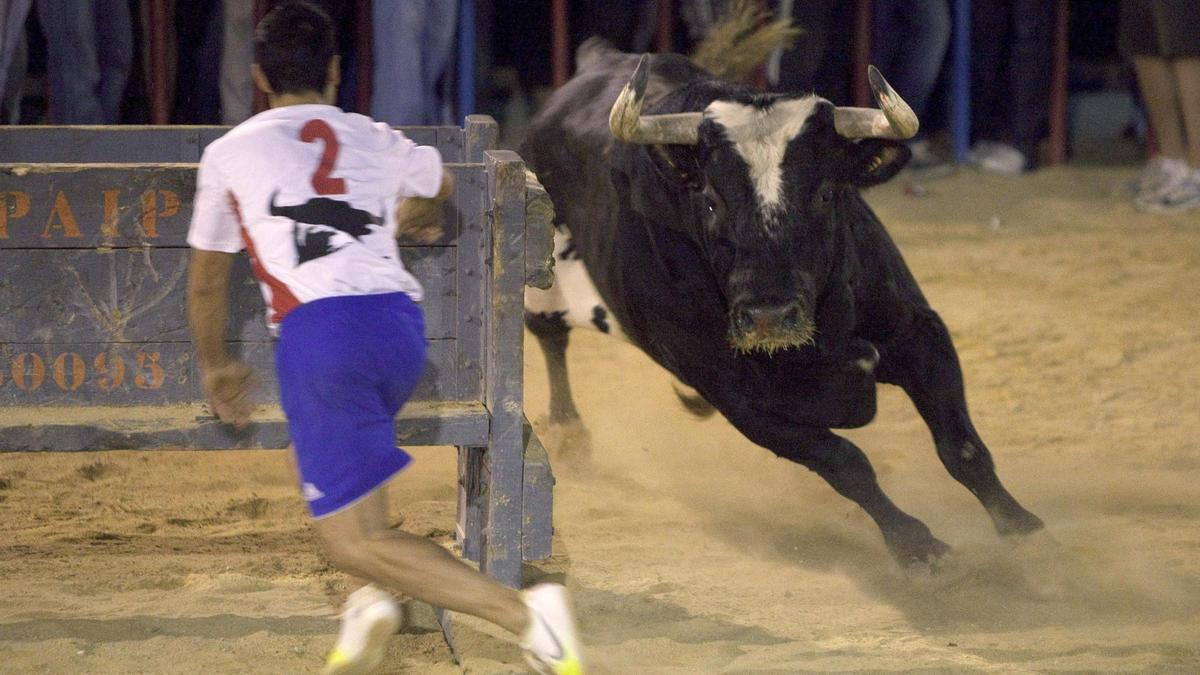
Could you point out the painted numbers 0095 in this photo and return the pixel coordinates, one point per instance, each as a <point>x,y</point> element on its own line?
<point>72,371</point>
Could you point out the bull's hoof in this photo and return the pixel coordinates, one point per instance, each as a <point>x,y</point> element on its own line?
<point>568,441</point>
<point>1011,518</point>
<point>1018,524</point>
<point>916,549</point>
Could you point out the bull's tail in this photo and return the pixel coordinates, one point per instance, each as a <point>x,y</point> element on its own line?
<point>743,40</point>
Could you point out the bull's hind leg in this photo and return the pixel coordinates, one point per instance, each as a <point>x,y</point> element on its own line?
<point>553,335</point>
<point>572,302</point>
<point>925,365</point>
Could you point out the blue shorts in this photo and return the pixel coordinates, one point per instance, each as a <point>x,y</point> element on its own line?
<point>346,365</point>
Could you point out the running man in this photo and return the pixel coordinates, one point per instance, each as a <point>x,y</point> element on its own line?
<point>317,197</point>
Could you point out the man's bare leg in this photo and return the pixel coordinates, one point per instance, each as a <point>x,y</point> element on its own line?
<point>360,543</point>
<point>1187,79</point>
<point>1157,81</point>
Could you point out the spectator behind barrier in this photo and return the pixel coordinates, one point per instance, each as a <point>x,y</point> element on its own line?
<point>413,43</point>
<point>1012,45</point>
<point>1163,38</point>
<point>89,54</point>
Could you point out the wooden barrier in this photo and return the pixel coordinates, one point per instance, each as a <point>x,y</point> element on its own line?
<point>94,347</point>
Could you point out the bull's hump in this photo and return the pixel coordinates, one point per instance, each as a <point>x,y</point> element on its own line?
<point>761,135</point>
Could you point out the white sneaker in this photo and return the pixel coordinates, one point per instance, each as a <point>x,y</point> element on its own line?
<point>998,158</point>
<point>1160,174</point>
<point>369,619</point>
<point>550,644</point>
<point>1181,196</point>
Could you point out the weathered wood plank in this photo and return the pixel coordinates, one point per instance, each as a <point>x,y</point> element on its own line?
<point>157,373</point>
<point>105,143</point>
<point>134,143</point>
<point>77,205</point>
<point>113,205</point>
<point>472,497</point>
<point>479,135</point>
<point>473,277</point>
<point>539,234</point>
<point>450,144</point>
<point>192,426</point>
<point>537,499</point>
<point>64,296</point>
<point>503,393</point>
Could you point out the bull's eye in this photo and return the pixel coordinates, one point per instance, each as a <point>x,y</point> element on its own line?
<point>824,196</point>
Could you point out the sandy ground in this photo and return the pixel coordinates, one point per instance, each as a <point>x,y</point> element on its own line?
<point>689,550</point>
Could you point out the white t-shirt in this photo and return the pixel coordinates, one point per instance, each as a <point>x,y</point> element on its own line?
<point>310,191</point>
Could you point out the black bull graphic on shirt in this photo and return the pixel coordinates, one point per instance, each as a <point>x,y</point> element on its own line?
<point>330,216</point>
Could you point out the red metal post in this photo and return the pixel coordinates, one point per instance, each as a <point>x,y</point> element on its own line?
<point>160,105</point>
<point>561,42</point>
<point>664,40</point>
<point>1058,84</point>
<point>862,53</point>
<point>364,54</point>
<point>261,7</point>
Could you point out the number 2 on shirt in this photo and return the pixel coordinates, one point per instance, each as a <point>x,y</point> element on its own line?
<point>322,182</point>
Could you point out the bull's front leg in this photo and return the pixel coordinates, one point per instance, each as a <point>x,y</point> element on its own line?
<point>925,365</point>
<point>844,466</point>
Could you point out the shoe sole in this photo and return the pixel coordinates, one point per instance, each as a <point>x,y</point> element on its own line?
<point>374,650</point>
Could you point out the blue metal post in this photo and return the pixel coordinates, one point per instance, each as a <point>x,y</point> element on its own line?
<point>466,60</point>
<point>960,80</point>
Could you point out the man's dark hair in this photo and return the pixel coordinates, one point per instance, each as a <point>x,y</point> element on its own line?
<point>293,45</point>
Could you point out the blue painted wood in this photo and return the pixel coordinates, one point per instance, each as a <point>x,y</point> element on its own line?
<point>155,373</point>
<point>134,143</point>
<point>190,426</point>
<point>113,205</point>
<point>93,343</point>
<point>537,499</point>
<point>66,296</point>
<point>503,394</point>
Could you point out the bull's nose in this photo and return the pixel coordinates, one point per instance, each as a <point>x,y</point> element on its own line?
<point>764,318</point>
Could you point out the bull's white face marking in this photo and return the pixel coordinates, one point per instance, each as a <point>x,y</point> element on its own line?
<point>761,137</point>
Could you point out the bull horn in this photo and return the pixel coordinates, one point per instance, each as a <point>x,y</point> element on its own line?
<point>628,124</point>
<point>894,119</point>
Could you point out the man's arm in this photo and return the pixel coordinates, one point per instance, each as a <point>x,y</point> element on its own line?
<point>420,218</point>
<point>227,382</point>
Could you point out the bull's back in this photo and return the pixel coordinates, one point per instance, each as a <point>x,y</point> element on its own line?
<point>570,148</point>
<point>569,144</point>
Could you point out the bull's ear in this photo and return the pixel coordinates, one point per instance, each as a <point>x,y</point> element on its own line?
<point>877,161</point>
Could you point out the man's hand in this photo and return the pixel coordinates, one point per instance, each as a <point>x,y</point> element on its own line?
<point>228,389</point>
<point>420,219</point>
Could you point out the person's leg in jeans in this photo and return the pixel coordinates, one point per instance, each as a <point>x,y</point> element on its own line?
<point>71,61</point>
<point>1032,49</point>
<point>14,83</point>
<point>13,57</point>
<point>398,90</point>
<point>237,53</point>
<point>114,54</point>
<point>989,33</point>
<point>441,24</point>
<point>909,44</point>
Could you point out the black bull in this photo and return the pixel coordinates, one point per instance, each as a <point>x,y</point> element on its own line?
<point>642,221</point>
